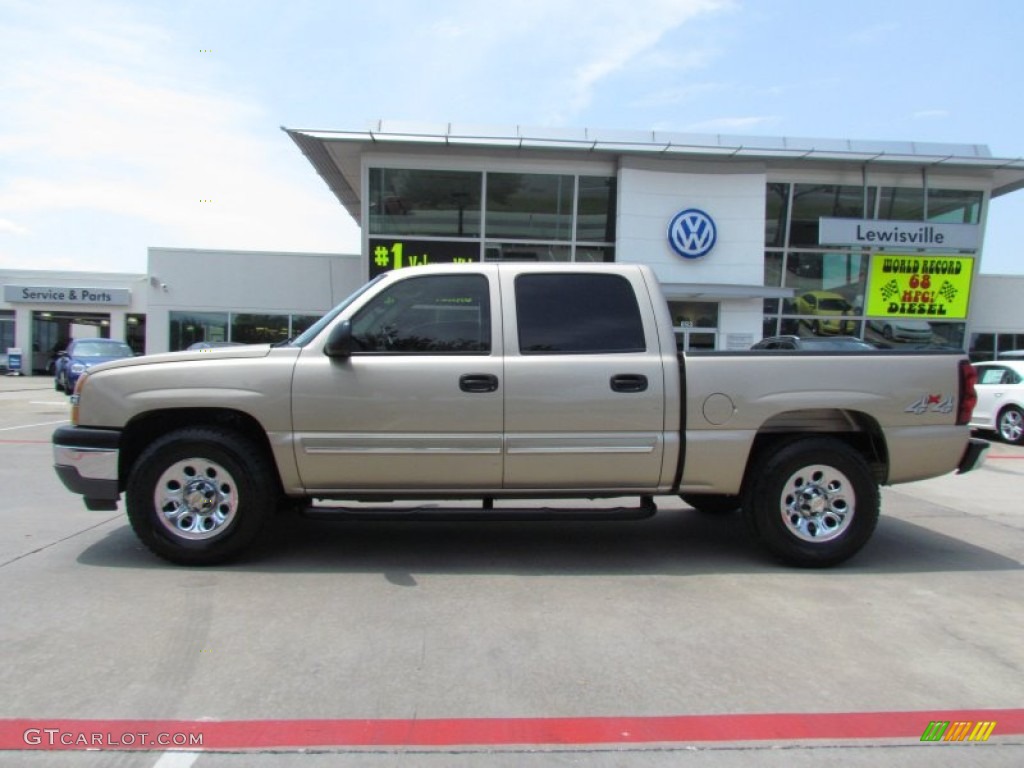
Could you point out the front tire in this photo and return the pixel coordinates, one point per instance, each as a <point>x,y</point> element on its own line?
<point>200,496</point>
<point>814,503</point>
<point>1011,425</point>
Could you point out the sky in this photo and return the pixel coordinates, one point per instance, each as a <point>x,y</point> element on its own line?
<point>125,125</point>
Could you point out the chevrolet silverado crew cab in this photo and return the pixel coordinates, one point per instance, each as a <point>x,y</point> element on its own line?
<point>496,382</point>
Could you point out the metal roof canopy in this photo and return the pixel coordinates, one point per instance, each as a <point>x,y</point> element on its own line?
<point>336,154</point>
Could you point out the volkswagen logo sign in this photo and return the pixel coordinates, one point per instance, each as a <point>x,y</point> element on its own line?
<point>692,233</point>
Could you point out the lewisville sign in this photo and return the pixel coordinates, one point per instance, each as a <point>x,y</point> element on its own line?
<point>904,234</point>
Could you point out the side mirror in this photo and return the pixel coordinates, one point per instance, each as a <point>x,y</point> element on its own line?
<point>339,343</point>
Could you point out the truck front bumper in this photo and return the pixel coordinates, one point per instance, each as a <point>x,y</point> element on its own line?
<point>974,455</point>
<point>86,462</point>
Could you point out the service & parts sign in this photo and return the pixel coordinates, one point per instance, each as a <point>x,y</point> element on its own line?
<point>927,287</point>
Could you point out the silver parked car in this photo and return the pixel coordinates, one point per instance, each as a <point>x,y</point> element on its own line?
<point>1001,399</point>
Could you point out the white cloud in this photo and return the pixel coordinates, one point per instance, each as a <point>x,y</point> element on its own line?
<point>9,227</point>
<point>628,31</point>
<point>117,119</point>
<point>678,95</point>
<point>732,124</point>
<point>559,53</point>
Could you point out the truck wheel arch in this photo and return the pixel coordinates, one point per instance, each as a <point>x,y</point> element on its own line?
<point>143,429</point>
<point>859,430</point>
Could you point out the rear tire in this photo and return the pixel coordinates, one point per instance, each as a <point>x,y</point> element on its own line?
<point>1011,425</point>
<point>201,495</point>
<point>814,503</point>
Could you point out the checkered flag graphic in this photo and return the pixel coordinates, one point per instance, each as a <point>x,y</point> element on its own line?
<point>948,291</point>
<point>890,289</point>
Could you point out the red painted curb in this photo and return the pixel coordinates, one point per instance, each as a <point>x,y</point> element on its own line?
<point>75,734</point>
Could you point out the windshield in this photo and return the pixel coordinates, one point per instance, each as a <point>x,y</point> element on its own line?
<point>310,333</point>
<point>833,305</point>
<point>101,349</point>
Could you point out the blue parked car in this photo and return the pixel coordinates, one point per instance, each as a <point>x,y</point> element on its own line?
<point>82,355</point>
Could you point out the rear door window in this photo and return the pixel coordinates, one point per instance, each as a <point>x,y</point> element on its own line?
<point>577,314</point>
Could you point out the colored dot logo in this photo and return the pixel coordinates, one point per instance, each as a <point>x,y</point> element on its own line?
<point>205,200</point>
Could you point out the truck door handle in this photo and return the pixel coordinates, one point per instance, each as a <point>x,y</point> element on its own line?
<point>629,382</point>
<point>478,382</point>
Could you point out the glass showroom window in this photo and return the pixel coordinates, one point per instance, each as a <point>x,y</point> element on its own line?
<point>533,215</point>
<point>829,293</point>
<point>810,202</point>
<point>776,209</point>
<point>527,252</point>
<point>901,203</point>
<point>189,327</point>
<point>301,322</point>
<point>425,202</point>
<point>592,253</point>
<point>6,331</point>
<point>529,206</point>
<point>258,329</point>
<point>595,210</point>
<point>954,206</point>
<point>135,333</point>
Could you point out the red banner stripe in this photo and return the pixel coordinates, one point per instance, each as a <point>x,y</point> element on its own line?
<point>59,733</point>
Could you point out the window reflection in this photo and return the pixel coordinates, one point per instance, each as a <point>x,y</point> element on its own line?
<point>529,206</point>
<point>189,327</point>
<point>425,202</point>
<point>954,206</point>
<point>813,201</point>
<point>776,210</point>
<point>259,329</point>
<point>595,216</point>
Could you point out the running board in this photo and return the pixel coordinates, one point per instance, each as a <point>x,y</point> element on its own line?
<point>487,513</point>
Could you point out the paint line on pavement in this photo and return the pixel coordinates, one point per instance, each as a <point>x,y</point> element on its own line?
<point>40,424</point>
<point>176,760</point>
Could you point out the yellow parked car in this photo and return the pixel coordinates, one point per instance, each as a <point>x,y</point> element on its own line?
<point>829,305</point>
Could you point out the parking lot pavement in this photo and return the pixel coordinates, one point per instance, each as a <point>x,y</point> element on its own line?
<point>676,615</point>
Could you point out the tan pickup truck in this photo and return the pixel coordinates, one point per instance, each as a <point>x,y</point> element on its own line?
<point>497,382</point>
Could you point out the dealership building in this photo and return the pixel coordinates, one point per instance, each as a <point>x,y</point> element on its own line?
<point>749,236</point>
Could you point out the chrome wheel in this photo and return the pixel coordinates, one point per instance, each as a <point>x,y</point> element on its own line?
<point>1011,425</point>
<point>196,499</point>
<point>817,503</point>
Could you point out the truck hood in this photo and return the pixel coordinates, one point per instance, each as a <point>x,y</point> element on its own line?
<point>217,353</point>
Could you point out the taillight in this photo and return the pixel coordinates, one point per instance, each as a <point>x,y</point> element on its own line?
<point>968,394</point>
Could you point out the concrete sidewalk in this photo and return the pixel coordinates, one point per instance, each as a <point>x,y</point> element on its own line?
<point>9,383</point>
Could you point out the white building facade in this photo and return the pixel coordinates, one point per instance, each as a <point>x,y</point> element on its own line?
<point>749,236</point>
<point>879,240</point>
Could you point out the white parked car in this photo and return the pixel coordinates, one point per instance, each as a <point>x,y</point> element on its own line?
<point>902,329</point>
<point>1001,399</point>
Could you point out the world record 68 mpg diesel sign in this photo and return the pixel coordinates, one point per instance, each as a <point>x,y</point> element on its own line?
<point>928,287</point>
